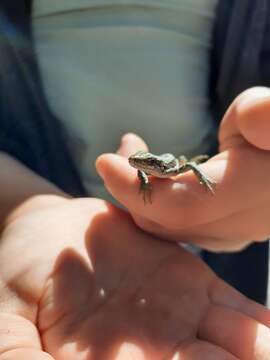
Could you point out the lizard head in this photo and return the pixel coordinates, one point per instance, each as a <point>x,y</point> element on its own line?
<point>146,161</point>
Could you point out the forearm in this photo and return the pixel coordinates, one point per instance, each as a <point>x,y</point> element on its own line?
<point>18,184</point>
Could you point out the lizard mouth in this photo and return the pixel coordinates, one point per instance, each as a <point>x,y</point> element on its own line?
<point>139,165</point>
<point>134,163</point>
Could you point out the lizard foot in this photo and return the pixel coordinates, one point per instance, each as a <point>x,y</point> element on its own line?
<point>209,184</point>
<point>146,191</point>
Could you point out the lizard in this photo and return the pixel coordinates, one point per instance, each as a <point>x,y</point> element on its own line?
<point>165,166</point>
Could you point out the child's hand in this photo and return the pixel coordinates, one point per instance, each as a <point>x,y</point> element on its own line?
<point>79,281</point>
<point>182,210</point>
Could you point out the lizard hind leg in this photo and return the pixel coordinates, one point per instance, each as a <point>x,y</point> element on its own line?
<point>208,183</point>
<point>199,159</point>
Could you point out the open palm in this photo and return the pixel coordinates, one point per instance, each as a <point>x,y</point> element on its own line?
<point>79,280</point>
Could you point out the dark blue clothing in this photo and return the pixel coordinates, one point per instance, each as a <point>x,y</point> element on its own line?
<point>31,133</point>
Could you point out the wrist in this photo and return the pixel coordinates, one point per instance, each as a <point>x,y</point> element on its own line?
<point>34,203</point>
<point>21,189</point>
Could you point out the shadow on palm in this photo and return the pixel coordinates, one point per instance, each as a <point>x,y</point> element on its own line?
<point>139,297</point>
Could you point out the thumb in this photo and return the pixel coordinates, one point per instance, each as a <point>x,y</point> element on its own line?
<point>130,143</point>
<point>248,118</point>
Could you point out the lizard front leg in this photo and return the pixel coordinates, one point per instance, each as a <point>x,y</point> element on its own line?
<point>145,186</point>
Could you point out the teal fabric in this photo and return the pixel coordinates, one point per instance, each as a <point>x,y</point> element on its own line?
<point>111,67</point>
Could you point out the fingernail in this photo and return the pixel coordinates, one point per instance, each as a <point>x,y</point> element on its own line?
<point>252,96</point>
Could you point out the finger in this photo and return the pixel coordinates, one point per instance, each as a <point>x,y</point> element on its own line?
<point>19,339</point>
<point>221,293</point>
<point>247,117</point>
<point>168,196</point>
<point>239,334</point>
<point>130,143</point>
<point>182,202</point>
<point>202,350</point>
<point>226,234</point>
<point>233,232</point>
<point>25,354</point>
<point>204,239</point>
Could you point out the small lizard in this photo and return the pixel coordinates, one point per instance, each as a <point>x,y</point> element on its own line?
<point>164,166</point>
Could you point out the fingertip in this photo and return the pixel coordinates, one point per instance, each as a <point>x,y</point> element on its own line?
<point>130,143</point>
<point>113,168</point>
<point>119,178</point>
<point>104,162</point>
<point>104,158</point>
<point>253,117</point>
<point>130,136</point>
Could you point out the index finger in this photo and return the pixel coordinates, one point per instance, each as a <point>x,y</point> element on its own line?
<point>181,201</point>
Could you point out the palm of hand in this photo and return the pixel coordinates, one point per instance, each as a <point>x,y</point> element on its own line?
<point>87,284</point>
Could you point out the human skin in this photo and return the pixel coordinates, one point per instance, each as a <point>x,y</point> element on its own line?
<point>79,280</point>
<point>182,210</point>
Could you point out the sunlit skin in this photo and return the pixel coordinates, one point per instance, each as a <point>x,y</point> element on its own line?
<point>166,166</point>
<point>181,210</point>
<point>80,281</point>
